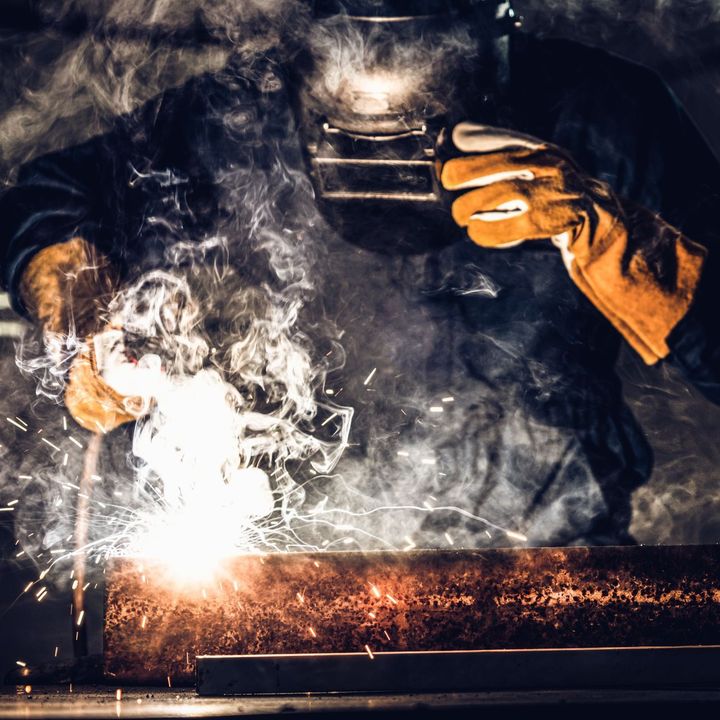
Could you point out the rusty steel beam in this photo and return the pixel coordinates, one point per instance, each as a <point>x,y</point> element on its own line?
<point>419,600</point>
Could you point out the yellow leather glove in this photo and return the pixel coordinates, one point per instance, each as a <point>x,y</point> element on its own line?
<point>91,401</point>
<point>66,287</point>
<point>640,272</point>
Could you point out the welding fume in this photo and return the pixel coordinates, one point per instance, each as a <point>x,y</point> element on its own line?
<point>365,287</point>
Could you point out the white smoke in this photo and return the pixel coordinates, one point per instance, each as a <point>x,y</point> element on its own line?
<point>227,426</point>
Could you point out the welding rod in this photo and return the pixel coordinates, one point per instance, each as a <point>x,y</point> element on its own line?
<point>79,621</point>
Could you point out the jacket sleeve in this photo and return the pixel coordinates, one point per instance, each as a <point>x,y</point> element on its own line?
<point>56,197</point>
<point>84,190</point>
<point>105,189</point>
<point>695,341</point>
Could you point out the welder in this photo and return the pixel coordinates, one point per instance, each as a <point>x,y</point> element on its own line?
<point>572,206</point>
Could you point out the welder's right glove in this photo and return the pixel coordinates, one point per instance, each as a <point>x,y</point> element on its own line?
<point>66,287</point>
<point>638,270</point>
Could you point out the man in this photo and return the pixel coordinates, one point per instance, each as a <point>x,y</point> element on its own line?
<point>478,360</point>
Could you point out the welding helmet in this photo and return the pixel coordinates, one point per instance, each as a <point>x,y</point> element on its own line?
<point>375,83</point>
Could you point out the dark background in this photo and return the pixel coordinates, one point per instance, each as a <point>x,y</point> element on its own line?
<point>68,67</point>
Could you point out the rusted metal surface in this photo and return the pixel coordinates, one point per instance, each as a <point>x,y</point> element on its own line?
<point>423,600</point>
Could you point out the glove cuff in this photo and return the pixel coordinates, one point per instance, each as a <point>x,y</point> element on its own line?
<point>640,272</point>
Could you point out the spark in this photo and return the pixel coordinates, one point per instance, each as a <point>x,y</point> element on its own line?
<point>64,422</point>
<point>21,663</point>
<point>16,424</point>
<point>375,591</point>
<point>144,622</point>
<point>436,409</point>
<point>81,617</point>
<point>13,502</point>
<point>370,376</point>
<point>118,694</point>
<point>57,650</point>
<point>516,535</point>
<point>386,635</point>
<point>448,399</point>
<point>52,445</point>
<point>300,597</point>
<point>369,652</point>
<point>318,513</point>
<point>449,539</point>
<point>7,509</point>
<point>158,525</point>
<point>28,586</point>
<point>391,598</point>
<point>312,632</point>
<point>25,477</point>
<point>73,440</point>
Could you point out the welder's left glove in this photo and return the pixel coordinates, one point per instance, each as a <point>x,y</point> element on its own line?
<point>640,272</point>
<point>64,288</point>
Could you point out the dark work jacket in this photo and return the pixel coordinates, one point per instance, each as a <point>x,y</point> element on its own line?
<point>537,438</point>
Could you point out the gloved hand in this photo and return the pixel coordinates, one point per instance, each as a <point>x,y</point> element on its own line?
<point>640,272</point>
<point>91,401</point>
<point>65,287</point>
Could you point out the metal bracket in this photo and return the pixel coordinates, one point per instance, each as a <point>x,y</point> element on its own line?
<point>459,671</point>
